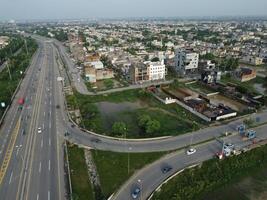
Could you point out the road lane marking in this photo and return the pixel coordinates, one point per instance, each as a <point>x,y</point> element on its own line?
<point>48,193</point>
<point>40,167</point>
<point>37,198</point>
<point>49,167</point>
<point>44,113</point>
<point>42,143</point>
<point>49,141</point>
<point>9,151</point>
<point>10,179</point>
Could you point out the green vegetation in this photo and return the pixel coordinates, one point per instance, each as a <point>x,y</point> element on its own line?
<point>81,186</point>
<point>113,167</point>
<point>149,125</point>
<point>164,119</point>
<point>195,183</point>
<point>109,84</point>
<point>119,129</point>
<point>14,45</point>
<point>60,34</point>
<point>250,187</point>
<point>243,87</point>
<point>17,65</point>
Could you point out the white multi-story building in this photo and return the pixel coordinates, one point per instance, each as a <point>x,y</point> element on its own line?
<point>186,61</point>
<point>156,70</point>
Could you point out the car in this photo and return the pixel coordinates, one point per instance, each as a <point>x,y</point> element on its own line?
<point>136,192</point>
<point>166,169</point>
<point>39,130</point>
<point>229,145</point>
<point>191,151</point>
<point>96,140</point>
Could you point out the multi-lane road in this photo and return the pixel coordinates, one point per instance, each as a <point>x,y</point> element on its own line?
<point>32,164</point>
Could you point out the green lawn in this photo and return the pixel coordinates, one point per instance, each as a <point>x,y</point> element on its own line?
<point>81,186</point>
<point>113,167</point>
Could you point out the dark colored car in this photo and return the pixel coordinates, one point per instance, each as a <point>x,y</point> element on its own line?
<point>136,193</point>
<point>166,169</point>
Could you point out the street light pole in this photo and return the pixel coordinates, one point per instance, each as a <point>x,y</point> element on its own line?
<point>139,181</point>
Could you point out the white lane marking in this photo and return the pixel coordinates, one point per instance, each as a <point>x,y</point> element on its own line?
<point>10,179</point>
<point>49,141</point>
<point>42,143</point>
<point>40,167</point>
<point>50,103</point>
<point>48,195</point>
<point>44,113</point>
<point>49,124</point>
<point>17,152</point>
<point>37,198</point>
<point>43,125</point>
<point>49,167</point>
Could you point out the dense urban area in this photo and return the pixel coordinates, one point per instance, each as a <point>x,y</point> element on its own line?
<point>133,109</point>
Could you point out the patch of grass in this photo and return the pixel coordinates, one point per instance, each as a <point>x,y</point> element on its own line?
<point>81,186</point>
<point>113,167</point>
<point>195,183</point>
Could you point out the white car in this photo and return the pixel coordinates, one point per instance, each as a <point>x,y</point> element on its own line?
<point>191,151</point>
<point>39,130</point>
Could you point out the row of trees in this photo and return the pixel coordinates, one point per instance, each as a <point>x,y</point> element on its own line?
<point>9,79</point>
<point>148,125</point>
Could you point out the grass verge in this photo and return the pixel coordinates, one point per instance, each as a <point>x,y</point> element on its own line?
<point>197,182</point>
<point>113,167</point>
<point>81,186</point>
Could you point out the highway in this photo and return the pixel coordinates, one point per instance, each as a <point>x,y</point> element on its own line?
<point>35,167</point>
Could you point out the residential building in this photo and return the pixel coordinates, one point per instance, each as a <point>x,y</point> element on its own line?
<point>147,71</point>
<point>252,60</point>
<point>156,70</point>
<point>245,74</point>
<point>186,61</point>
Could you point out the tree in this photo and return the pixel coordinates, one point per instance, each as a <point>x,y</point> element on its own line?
<point>155,59</point>
<point>152,126</point>
<point>119,128</point>
<point>143,120</point>
<point>109,83</point>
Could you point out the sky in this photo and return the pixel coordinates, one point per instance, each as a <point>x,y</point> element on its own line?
<point>76,9</point>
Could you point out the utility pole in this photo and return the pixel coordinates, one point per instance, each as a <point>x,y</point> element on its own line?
<point>7,63</point>
<point>25,42</point>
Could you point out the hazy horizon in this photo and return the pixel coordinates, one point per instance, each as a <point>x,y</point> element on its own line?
<point>87,9</point>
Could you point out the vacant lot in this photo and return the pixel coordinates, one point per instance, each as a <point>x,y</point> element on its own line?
<point>100,112</point>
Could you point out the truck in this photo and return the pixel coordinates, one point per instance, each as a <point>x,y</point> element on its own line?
<point>21,102</point>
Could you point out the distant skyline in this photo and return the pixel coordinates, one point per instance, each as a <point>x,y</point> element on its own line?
<point>88,9</point>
